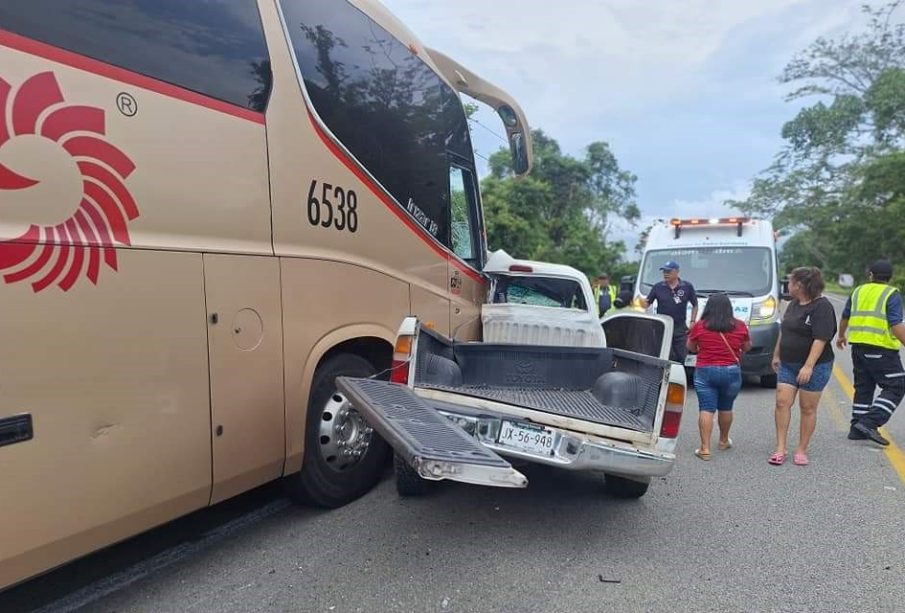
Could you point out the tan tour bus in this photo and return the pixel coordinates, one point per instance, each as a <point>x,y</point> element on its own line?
<point>208,212</point>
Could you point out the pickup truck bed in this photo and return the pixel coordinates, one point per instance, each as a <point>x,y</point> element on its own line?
<point>461,411</point>
<point>599,385</point>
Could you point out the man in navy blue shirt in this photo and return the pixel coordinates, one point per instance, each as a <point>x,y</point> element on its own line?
<point>673,295</point>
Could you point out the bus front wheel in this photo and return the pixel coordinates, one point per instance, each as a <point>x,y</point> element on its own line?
<point>343,456</point>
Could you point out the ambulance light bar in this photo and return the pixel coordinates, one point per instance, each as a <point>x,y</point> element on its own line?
<point>678,224</point>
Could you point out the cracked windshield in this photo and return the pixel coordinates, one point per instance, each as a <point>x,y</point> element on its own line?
<point>353,306</point>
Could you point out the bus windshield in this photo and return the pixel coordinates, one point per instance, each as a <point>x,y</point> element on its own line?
<point>743,270</point>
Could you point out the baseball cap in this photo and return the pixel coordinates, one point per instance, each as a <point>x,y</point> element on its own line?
<point>670,265</point>
<point>881,268</point>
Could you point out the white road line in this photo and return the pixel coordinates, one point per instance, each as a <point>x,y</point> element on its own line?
<point>114,583</point>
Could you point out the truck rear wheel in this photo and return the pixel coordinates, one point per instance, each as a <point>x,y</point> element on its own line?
<point>768,381</point>
<point>343,456</point>
<point>408,481</point>
<point>620,487</point>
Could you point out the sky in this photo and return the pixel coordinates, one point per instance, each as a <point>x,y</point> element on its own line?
<point>684,91</point>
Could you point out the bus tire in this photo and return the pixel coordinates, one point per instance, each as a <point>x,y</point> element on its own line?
<point>337,470</point>
<point>768,381</point>
<point>621,487</point>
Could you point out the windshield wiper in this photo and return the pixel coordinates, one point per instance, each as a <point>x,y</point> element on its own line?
<point>730,292</point>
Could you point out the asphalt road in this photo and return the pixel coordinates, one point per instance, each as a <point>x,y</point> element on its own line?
<point>732,534</point>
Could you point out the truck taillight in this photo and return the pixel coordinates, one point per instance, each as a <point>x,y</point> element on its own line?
<point>400,372</point>
<point>672,415</point>
<point>402,355</point>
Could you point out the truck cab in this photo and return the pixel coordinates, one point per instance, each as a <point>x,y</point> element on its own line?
<point>735,255</point>
<point>540,303</point>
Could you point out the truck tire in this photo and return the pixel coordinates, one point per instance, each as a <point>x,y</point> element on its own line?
<point>620,487</point>
<point>343,456</point>
<point>408,482</point>
<point>768,381</point>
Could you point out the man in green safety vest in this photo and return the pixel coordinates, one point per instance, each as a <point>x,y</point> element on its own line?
<point>624,301</point>
<point>604,294</point>
<point>872,318</point>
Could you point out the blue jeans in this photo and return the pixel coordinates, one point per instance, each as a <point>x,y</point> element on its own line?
<point>820,376</point>
<point>717,387</point>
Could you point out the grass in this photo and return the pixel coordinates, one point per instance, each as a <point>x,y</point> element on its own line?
<point>834,288</point>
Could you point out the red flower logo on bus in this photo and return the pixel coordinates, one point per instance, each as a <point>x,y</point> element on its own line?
<point>60,254</point>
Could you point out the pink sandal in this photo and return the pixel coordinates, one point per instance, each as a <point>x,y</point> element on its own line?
<point>800,459</point>
<point>777,459</point>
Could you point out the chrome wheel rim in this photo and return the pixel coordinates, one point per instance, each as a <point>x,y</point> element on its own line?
<point>343,434</point>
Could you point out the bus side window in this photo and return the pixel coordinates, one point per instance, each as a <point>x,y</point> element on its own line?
<point>390,109</point>
<point>463,232</point>
<point>215,48</point>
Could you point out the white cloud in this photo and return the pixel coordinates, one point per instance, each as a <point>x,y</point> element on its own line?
<point>711,206</point>
<point>714,204</point>
<point>684,91</point>
<point>591,56</point>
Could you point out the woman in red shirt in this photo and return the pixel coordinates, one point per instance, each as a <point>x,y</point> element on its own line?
<point>719,340</point>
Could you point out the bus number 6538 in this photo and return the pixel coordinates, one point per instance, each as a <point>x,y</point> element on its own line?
<point>337,207</point>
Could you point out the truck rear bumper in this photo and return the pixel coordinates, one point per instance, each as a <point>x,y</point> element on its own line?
<point>594,456</point>
<point>571,450</point>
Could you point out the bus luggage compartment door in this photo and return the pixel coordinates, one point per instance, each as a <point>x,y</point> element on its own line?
<point>432,445</point>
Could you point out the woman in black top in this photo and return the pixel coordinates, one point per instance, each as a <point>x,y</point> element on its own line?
<point>803,359</point>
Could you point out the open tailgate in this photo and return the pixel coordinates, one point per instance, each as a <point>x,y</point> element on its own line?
<point>432,445</point>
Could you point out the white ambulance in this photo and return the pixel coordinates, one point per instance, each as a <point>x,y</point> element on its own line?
<point>736,255</point>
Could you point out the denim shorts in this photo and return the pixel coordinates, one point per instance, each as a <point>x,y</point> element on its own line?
<point>717,387</point>
<point>788,374</point>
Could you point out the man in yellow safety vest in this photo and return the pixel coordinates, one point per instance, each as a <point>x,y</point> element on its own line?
<point>872,318</point>
<point>604,294</point>
<point>625,301</point>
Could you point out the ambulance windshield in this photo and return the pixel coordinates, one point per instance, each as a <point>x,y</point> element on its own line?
<point>741,270</point>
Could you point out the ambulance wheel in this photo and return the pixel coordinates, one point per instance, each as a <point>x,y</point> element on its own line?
<point>768,381</point>
<point>409,482</point>
<point>620,487</point>
<point>343,456</point>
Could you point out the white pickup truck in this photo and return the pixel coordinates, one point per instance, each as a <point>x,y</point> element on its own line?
<point>550,383</point>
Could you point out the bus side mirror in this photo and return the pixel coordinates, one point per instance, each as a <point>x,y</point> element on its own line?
<point>519,138</point>
<point>520,162</point>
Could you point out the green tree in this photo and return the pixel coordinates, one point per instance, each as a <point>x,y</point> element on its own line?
<point>561,212</point>
<point>836,185</point>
